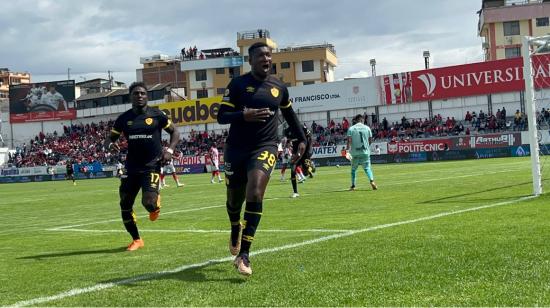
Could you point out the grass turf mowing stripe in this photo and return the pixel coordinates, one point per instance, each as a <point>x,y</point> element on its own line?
<point>102,286</point>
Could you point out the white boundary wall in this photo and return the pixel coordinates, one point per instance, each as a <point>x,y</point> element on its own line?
<point>315,102</point>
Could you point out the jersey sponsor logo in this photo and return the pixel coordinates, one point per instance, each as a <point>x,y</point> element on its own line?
<point>129,123</point>
<point>250,89</point>
<point>275,92</point>
<point>131,137</point>
<point>149,121</point>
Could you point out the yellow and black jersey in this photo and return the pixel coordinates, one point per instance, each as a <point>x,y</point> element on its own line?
<point>143,132</point>
<point>247,92</point>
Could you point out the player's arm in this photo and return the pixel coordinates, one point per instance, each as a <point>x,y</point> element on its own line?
<point>294,124</point>
<point>110,142</point>
<point>171,129</point>
<point>348,145</point>
<point>229,111</point>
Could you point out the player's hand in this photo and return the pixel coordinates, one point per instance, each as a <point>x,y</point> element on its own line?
<point>348,156</point>
<point>113,147</point>
<point>299,153</point>
<point>257,115</point>
<point>166,157</point>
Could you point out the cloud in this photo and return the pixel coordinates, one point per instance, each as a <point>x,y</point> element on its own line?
<point>91,37</point>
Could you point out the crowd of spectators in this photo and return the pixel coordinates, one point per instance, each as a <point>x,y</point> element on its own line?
<point>438,126</point>
<point>193,54</point>
<point>84,143</point>
<point>78,143</point>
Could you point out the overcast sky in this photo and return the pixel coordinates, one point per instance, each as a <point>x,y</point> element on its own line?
<point>45,38</point>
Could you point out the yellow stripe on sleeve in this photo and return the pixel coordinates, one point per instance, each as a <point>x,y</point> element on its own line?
<point>284,107</point>
<point>228,104</point>
<point>167,124</point>
<point>114,131</point>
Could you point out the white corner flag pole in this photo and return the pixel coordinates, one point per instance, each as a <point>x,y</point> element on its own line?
<point>531,116</point>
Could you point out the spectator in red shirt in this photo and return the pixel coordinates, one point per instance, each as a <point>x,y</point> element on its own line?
<point>345,124</point>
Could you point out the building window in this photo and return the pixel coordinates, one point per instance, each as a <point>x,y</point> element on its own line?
<point>220,91</point>
<point>200,75</point>
<point>288,84</point>
<point>220,71</point>
<point>308,82</point>
<point>273,68</point>
<point>542,22</point>
<point>307,66</point>
<point>202,93</point>
<point>285,65</point>
<point>512,52</point>
<point>511,28</point>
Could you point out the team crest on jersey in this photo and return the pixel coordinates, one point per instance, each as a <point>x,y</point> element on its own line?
<point>274,92</point>
<point>149,121</point>
<point>226,93</point>
<point>250,89</point>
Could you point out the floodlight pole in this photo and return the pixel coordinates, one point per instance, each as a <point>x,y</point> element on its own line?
<point>531,116</point>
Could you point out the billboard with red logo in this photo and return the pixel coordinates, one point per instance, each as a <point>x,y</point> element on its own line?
<point>498,140</point>
<point>488,141</point>
<point>420,146</point>
<point>46,101</point>
<point>189,164</point>
<point>478,78</point>
<point>541,71</point>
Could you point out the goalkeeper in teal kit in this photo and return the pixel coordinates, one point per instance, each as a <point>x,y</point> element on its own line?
<point>358,150</point>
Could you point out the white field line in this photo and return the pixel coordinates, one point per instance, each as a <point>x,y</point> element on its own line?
<point>103,286</point>
<point>203,230</point>
<point>268,199</point>
<point>141,216</point>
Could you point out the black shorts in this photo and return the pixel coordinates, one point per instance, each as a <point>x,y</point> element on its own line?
<point>146,181</point>
<point>239,162</point>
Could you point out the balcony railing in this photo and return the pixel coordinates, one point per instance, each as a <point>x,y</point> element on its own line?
<point>309,46</point>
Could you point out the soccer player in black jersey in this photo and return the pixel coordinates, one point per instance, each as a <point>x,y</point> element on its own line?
<point>303,161</point>
<point>70,171</point>
<point>142,126</point>
<point>250,105</point>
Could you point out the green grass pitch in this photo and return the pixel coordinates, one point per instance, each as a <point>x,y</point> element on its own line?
<point>461,233</point>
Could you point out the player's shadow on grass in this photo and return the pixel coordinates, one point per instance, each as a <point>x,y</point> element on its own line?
<point>75,253</point>
<point>208,273</point>
<point>477,199</point>
<point>201,273</point>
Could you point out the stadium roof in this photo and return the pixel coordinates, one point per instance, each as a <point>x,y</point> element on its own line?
<point>118,92</point>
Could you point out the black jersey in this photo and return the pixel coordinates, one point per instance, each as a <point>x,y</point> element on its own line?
<point>143,132</point>
<point>295,142</point>
<point>246,91</point>
<point>70,168</point>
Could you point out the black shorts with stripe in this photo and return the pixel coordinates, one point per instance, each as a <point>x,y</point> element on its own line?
<point>239,162</point>
<point>130,184</point>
